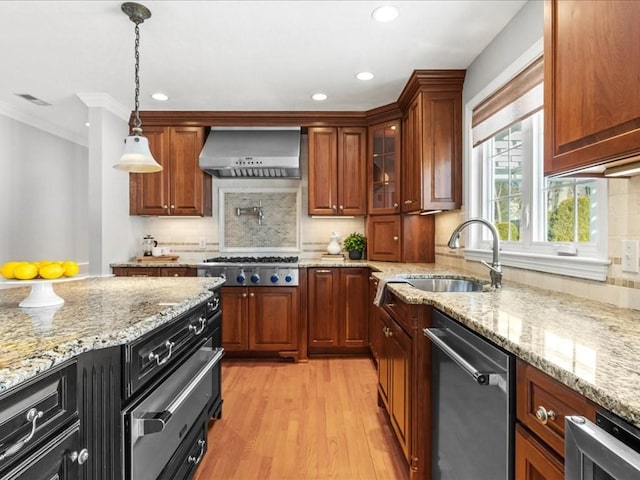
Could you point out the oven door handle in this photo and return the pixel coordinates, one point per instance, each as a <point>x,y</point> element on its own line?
<point>481,377</point>
<point>154,422</point>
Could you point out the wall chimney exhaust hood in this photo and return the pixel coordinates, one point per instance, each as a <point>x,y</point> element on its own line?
<point>252,152</point>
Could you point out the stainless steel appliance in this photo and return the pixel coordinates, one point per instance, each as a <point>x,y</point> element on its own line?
<point>172,387</point>
<point>260,152</point>
<point>472,404</point>
<point>272,271</point>
<point>606,450</point>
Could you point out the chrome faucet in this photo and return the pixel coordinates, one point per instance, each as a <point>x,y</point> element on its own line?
<point>495,269</point>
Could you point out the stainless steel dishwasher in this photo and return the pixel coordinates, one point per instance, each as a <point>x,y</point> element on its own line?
<point>473,408</point>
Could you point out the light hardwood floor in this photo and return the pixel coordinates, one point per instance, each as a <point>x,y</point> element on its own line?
<point>306,421</point>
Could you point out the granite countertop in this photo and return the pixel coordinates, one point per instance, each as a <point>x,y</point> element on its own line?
<point>97,313</point>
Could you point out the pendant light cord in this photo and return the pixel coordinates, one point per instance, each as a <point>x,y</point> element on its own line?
<point>136,121</point>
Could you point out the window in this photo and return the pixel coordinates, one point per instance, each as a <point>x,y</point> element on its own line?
<point>555,225</point>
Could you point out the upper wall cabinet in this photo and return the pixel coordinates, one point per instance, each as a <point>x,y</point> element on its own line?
<point>432,141</point>
<point>337,171</point>
<point>181,188</point>
<point>591,82</point>
<point>384,168</point>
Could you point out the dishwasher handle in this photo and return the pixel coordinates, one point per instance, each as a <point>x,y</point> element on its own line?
<point>154,422</point>
<point>481,377</point>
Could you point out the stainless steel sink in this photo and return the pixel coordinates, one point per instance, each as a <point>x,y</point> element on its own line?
<point>444,284</point>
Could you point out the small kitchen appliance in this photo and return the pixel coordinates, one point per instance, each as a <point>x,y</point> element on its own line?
<point>268,271</point>
<point>148,243</point>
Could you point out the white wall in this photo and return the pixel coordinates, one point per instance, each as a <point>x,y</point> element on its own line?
<point>43,195</point>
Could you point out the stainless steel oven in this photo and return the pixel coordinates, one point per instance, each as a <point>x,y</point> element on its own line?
<point>606,450</point>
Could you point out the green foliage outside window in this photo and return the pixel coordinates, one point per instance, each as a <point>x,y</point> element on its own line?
<point>561,221</point>
<point>503,231</point>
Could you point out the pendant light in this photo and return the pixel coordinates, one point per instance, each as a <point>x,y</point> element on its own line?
<point>137,157</point>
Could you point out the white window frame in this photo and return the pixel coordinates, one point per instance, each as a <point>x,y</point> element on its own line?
<point>538,259</point>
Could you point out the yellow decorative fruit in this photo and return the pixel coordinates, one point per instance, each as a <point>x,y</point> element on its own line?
<point>51,271</point>
<point>7,269</point>
<point>70,268</point>
<point>25,271</point>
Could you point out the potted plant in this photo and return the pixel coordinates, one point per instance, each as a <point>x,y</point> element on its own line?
<point>355,243</point>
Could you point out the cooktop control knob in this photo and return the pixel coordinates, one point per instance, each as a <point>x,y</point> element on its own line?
<point>241,278</point>
<point>275,278</point>
<point>288,278</point>
<point>255,278</point>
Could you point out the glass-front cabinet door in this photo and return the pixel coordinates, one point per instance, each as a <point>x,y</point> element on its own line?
<point>384,168</point>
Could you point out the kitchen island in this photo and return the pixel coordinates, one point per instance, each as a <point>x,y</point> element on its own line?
<point>97,313</point>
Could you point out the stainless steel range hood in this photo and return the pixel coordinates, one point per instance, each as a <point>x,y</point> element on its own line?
<point>252,152</point>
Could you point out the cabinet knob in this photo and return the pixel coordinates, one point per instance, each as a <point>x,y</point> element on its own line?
<point>173,206</point>
<point>176,275</point>
<point>395,205</point>
<point>341,207</point>
<point>543,415</point>
<point>408,202</point>
<point>395,238</point>
<point>333,207</point>
<point>165,206</point>
<point>252,294</point>
<point>81,457</point>
<point>244,295</point>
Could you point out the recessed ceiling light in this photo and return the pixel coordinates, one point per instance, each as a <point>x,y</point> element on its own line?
<point>365,76</point>
<point>87,124</point>
<point>160,97</point>
<point>385,14</point>
<point>319,97</point>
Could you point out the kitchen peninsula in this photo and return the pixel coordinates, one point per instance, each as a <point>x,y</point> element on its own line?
<point>73,376</point>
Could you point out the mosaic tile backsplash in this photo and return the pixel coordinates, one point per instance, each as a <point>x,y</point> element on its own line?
<point>279,224</point>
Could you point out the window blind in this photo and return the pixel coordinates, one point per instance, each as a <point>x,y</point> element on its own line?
<point>519,98</point>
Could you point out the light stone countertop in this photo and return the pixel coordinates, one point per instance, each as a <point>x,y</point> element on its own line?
<point>592,347</point>
<point>97,313</point>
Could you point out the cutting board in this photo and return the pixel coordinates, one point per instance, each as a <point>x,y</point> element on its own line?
<point>160,259</point>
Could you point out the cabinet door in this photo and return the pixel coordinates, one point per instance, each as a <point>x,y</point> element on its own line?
<point>323,171</point>
<point>187,183</point>
<point>352,177</point>
<point>234,318</point>
<point>399,355</point>
<point>441,150</point>
<point>533,460</point>
<point>382,321</point>
<point>149,192</point>
<point>591,71</point>
<point>384,168</point>
<point>412,157</point>
<point>354,295</point>
<point>383,234</point>
<point>273,316</point>
<point>375,332</point>
<point>322,298</point>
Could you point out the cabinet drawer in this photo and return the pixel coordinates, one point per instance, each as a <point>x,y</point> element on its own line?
<point>57,460</point>
<point>191,452</point>
<point>163,348</point>
<point>401,312</point>
<point>543,402</point>
<point>36,410</point>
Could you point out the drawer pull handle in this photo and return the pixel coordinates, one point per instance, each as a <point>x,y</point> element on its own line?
<point>543,415</point>
<point>156,357</point>
<point>32,416</point>
<point>194,460</point>
<point>391,305</point>
<point>81,457</point>
<point>198,330</point>
<point>214,304</point>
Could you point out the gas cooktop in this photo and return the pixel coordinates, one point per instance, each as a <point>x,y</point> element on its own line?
<point>246,260</point>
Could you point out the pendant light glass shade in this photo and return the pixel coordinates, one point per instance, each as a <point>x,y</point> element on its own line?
<point>137,157</point>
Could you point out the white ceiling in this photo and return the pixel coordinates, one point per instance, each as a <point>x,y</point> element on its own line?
<point>230,55</point>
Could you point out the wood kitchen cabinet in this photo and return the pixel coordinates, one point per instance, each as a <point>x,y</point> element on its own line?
<point>384,168</point>
<point>155,271</point>
<point>181,188</point>
<point>401,238</point>
<point>591,71</point>
<point>337,171</point>
<point>338,316</point>
<point>260,319</point>
<point>541,406</point>
<point>432,141</point>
